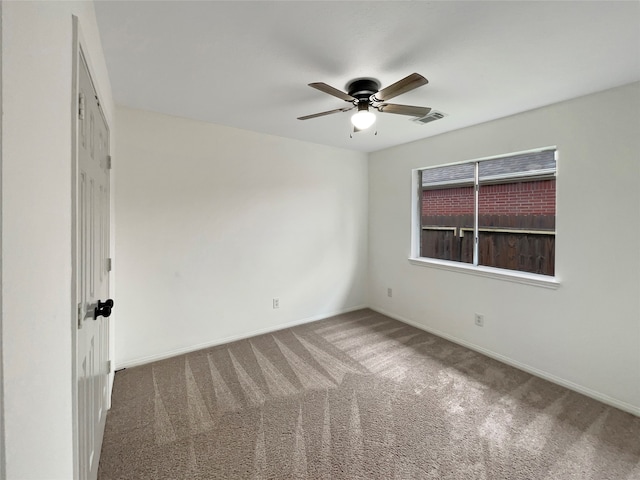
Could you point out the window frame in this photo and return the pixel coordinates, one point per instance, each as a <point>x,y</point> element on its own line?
<point>517,276</point>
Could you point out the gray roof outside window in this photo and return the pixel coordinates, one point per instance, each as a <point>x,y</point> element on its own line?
<point>521,165</point>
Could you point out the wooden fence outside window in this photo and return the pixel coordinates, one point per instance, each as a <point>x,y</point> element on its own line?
<point>515,242</point>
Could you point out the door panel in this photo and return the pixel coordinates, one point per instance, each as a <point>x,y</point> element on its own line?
<point>93,277</point>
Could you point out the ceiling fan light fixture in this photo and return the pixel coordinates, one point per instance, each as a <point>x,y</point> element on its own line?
<point>363,118</point>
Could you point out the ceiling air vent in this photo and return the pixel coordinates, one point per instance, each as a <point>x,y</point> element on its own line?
<point>430,117</point>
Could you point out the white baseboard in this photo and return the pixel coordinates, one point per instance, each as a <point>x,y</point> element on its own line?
<point>601,397</point>
<point>212,343</point>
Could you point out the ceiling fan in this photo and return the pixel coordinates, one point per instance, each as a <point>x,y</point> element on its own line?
<point>365,92</point>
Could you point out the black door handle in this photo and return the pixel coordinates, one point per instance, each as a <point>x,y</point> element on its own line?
<point>103,308</point>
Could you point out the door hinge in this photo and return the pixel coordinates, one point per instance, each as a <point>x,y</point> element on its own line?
<point>108,162</point>
<point>81,106</point>
<point>108,366</point>
<point>108,265</point>
<point>80,315</point>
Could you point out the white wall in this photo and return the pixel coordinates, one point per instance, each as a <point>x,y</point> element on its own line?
<point>36,227</point>
<point>214,222</point>
<point>586,333</point>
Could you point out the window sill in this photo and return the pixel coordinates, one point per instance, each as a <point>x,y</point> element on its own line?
<point>536,280</point>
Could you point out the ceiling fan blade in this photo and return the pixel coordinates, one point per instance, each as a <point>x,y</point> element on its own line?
<point>322,114</point>
<point>403,109</point>
<point>408,83</point>
<point>323,87</point>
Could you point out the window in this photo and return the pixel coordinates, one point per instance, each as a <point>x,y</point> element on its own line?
<point>497,212</point>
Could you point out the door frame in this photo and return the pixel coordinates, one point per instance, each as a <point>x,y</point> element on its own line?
<point>2,446</point>
<point>79,49</point>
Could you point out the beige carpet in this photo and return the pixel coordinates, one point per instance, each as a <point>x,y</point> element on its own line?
<point>357,396</point>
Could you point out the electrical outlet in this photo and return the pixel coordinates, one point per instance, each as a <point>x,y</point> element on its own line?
<point>389,292</point>
<point>479,319</point>
<point>276,303</point>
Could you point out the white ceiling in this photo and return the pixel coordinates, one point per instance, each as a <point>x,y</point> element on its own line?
<point>247,64</point>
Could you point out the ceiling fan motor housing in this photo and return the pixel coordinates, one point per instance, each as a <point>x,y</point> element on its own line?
<point>363,89</point>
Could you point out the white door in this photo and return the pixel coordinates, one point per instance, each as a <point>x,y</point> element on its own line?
<point>92,275</point>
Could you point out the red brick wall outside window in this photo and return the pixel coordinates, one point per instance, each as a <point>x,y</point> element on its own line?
<point>523,198</point>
